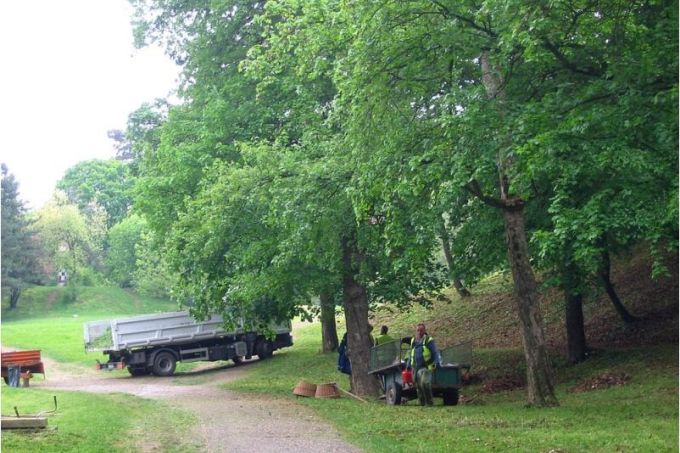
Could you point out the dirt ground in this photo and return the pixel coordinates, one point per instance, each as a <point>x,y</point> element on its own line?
<point>228,421</point>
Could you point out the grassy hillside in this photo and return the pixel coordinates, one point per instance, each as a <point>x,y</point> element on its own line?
<point>51,318</point>
<point>99,301</point>
<point>488,318</point>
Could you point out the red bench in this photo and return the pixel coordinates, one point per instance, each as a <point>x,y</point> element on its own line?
<point>28,361</point>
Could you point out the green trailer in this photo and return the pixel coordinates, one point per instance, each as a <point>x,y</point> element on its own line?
<point>388,360</point>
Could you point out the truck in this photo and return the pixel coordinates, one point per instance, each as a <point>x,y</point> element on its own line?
<point>153,344</point>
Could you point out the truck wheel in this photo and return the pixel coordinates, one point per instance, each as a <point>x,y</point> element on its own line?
<point>450,397</point>
<point>237,360</point>
<point>164,364</point>
<point>393,393</point>
<point>138,371</point>
<point>264,349</point>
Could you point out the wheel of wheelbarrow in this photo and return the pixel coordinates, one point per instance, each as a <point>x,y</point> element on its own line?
<point>393,393</point>
<point>451,397</point>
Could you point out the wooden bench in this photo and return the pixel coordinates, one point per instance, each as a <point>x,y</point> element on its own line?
<point>29,362</point>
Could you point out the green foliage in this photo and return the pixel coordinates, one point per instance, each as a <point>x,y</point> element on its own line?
<point>66,236</point>
<point>104,183</point>
<point>124,238</point>
<point>152,277</point>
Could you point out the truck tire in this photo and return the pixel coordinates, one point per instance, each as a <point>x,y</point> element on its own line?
<point>393,393</point>
<point>138,371</point>
<point>450,397</point>
<point>264,349</point>
<point>237,360</point>
<point>164,364</point>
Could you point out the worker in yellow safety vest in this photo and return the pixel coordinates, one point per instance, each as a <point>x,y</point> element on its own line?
<point>423,359</point>
<point>383,337</point>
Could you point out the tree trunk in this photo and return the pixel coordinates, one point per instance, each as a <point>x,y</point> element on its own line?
<point>611,292</point>
<point>572,287</point>
<point>576,336</point>
<point>539,374</point>
<point>446,246</point>
<point>359,339</point>
<point>14,295</point>
<point>329,332</point>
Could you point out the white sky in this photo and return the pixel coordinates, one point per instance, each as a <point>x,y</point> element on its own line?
<point>68,74</point>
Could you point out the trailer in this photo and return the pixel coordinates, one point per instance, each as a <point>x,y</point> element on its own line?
<point>155,343</point>
<point>388,361</point>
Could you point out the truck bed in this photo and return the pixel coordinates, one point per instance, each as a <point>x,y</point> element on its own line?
<point>159,329</point>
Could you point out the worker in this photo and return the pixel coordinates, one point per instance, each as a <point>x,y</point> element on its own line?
<point>383,337</point>
<point>423,360</point>
<point>344,365</point>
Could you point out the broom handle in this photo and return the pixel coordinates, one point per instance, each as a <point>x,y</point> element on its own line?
<point>352,395</point>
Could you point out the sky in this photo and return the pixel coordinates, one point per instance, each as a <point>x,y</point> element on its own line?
<point>68,74</point>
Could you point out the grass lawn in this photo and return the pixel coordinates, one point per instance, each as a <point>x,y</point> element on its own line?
<point>96,423</point>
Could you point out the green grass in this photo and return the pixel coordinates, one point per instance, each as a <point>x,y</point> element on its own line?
<point>640,416</point>
<point>96,423</point>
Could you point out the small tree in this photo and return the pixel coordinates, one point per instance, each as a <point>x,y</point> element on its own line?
<point>65,234</point>
<point>20,246</point>
<point>124,238</point>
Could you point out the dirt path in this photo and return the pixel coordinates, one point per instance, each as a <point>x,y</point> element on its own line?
<point>228,421</point>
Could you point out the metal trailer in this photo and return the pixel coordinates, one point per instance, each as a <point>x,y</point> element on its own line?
<point>155,343</point>
<point>388,360</point>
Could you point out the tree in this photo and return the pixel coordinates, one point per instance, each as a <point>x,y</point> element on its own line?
<point>142,134</point>
<point>104,183</point>
<point>66,235</point>
<point>20,246</point>
<point>152,276</point>
<point>490,83</point>
<point>124,242</point>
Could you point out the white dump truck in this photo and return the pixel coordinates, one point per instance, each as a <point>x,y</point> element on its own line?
<point>155,343</point>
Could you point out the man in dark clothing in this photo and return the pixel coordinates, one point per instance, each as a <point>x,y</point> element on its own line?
<point>423,359</point>
<point>344,365</point>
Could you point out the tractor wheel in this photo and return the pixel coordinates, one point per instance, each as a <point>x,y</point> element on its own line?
<point>450,397</point>
<point>164,364</point>
<point>393,393</point>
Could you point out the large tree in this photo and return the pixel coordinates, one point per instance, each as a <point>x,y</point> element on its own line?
<point>502,87</point>
<point>20,245</point>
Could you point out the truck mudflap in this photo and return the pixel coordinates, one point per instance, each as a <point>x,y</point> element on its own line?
<point>110,365</point>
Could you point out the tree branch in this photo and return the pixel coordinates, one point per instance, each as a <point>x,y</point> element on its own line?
<point>509,205</point>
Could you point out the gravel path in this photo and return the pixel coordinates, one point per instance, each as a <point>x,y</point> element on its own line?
<point>228,421</point>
